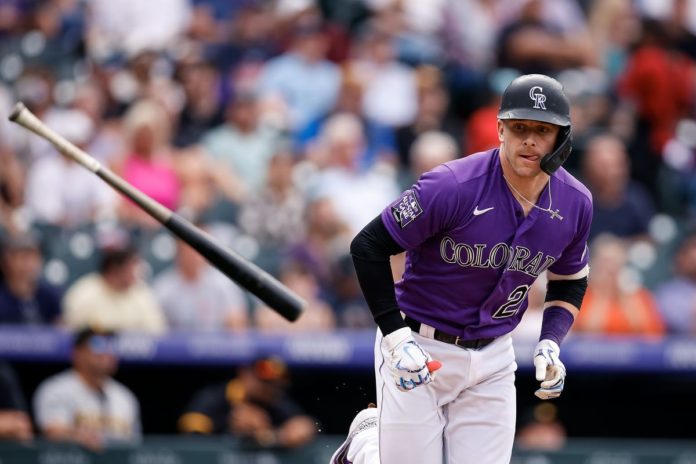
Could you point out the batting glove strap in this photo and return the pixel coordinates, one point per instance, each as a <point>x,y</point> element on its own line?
<point>550,371</point>
<point>407,361</point>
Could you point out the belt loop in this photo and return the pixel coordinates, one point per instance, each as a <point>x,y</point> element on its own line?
<point>427,331</point>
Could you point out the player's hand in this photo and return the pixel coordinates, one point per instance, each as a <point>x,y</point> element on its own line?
<point>409,364</point>
<point>550,371</point>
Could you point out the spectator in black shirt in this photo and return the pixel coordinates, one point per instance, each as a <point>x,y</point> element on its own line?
<point>253,406</point>
<point>24,297</point>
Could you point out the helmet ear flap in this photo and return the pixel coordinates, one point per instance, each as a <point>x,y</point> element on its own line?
<point>564,145</point>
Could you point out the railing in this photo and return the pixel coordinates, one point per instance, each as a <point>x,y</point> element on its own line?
<point>340,349</point>
<point>178,450</point>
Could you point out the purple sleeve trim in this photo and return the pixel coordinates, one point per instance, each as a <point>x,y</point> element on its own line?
<point>556,324</point>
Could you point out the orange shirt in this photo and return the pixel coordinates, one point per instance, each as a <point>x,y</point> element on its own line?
<point>634,313</point>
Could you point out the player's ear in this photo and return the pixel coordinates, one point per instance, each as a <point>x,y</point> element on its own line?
<point>500,130</point>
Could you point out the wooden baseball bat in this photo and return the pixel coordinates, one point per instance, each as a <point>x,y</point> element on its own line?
<point>249,276</point>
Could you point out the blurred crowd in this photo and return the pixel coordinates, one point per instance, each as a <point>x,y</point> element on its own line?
<point>281,127</point>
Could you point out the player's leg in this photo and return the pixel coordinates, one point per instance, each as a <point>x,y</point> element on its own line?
<point>481,422</point>
<point>362,444</point>
<point>411,423</point>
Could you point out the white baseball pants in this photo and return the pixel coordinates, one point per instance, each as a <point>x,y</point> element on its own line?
<point>465,416</point>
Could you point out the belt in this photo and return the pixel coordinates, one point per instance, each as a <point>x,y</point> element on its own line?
<point>448,338</point>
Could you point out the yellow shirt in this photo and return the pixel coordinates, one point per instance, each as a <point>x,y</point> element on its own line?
<point>90,302</point>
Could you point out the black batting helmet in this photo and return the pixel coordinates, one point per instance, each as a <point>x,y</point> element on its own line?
<point>540,98</point>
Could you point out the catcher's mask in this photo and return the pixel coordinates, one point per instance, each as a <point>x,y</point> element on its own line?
<point>537,97</point>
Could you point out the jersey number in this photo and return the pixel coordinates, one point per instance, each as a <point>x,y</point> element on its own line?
<point>515,299</point>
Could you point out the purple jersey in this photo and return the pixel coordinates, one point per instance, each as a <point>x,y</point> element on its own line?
<point>472,254</point>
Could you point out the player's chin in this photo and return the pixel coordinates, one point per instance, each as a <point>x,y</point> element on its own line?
<point>528,170</point>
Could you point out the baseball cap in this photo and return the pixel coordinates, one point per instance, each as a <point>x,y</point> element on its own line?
<point>98,340</point>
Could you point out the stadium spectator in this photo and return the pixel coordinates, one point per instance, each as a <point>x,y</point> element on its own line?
<point>12,185</point>
<point>149,164</point>
<point>196,296</point>
<point>115,297</point>
<point>254,406</point>
<point>432,115</point>
<point>243,145</point>
<point>677,296</point>
<point>207,188</point>
<point>61,192</point>
<point>15,422</point>
<point>539,429</point>
<point>658,80</point>
<point>536,42</point>
<point>301,83</point>
<point>614,303</point>
<point>390,88</point>
<point>317,315</point>
<point>326,232</point>
<point>35,89</point>
<point>202,85</point>
<point>347,298</point>
<point>107,144</point>
<point>274,216</point>
<point>614,27</point>
<point>480,129</point>
<point>25,298</point>
<point>430,150</point>
<point>622,207</point>
<point>354,192</point>
<point>380,143</point>
<point>85,404</point>
<point>118,30</point>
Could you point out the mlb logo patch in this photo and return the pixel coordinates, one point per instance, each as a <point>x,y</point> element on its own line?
<point>406,209</point>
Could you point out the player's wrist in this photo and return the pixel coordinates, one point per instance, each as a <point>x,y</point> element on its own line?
<point>398,337</point>
<point>556,324</point>
<point>548,343</point>
<point>390,322</point>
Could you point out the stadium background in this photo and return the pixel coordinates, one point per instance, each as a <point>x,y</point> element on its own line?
<point>310,153</point>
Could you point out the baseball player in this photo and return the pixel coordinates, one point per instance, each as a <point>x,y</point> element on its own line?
<point>478,231</point>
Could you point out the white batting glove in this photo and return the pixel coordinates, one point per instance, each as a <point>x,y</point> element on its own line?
<point>550,371</point>
<point>406,360</point>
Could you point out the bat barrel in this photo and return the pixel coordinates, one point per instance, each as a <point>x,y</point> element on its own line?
<point>247,274</point>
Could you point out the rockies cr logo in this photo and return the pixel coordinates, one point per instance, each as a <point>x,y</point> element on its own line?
<point>538,97</point>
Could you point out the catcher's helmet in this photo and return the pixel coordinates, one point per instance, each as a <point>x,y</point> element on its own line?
<point>540,98</point>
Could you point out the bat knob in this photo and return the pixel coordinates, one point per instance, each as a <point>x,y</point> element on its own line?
<point>433,365</point>
<point>16,111</point>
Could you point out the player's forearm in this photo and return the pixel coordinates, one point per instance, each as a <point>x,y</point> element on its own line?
<point>371,250</point>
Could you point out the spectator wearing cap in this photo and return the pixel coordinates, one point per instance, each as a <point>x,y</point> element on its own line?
<point>114,297</point>
<point>85,404</point>
<point>254,406</point>
<point>25,298</point>
<point>61,192</point>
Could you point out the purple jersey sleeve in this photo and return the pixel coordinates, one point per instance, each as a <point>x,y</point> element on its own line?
<point>423,210</point>
<point>573,263</point>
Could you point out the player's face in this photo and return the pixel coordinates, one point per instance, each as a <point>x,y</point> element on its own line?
<point>525,142</point>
